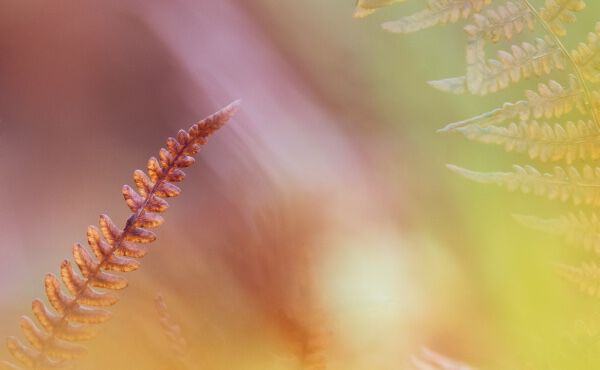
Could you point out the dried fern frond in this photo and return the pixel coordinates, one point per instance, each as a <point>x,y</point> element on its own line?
<point>586,277</point>
<point>551,100</point>
<point>172,332</point>
<point>587,56</point>
<point>578,228</point>
<point>437,12</point>
<point>558,12</point>
<point>581,187</point>
<point>74,312</point>
<point>567,142</point>
<point>430,360</point>
<point>367,7</point>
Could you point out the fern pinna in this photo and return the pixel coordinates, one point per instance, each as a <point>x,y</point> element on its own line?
<point>113,249</point>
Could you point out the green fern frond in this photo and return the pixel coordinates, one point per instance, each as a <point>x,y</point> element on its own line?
<point>581,229</point>
<point>581,187</point>
<point>437,12</point>
<point>568,142</point>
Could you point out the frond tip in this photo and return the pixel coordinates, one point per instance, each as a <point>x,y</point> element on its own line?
<point>80,301</point>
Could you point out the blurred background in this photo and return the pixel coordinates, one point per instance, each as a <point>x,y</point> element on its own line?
<point>320,227</point>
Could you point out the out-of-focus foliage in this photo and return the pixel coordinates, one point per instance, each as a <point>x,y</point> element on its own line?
<point>325,223</point>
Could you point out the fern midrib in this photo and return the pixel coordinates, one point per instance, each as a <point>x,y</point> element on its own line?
<point>130,223</point>
<point>580,77</point>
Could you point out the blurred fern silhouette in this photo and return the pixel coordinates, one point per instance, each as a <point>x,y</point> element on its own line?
<point>273,259</point>
<point>74,313</point>
<point>430,360</point>
<point>172,330</point>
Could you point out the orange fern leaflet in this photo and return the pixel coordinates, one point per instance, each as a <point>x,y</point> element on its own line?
<point>113,249</point>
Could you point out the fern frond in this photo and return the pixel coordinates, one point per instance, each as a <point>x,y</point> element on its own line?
<point>586,277</point>
<point>581,187</point>
<point>173,333</point>
<point>430,360</point>
<point>554,100</point>
<point>558,12</point>
<point>437,12</point>
<point>502,23</point>
<point>578,228</point>
<point>551,100</point>
<point>587,56</point>
<point>523,61</point>
<point>315,343</point>
<point>368,7</point>
<point>568,142</point>
<point>113,249</point>
<point>476,65</point>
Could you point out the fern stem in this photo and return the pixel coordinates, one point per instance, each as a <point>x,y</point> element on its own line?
<point>589,102</point>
